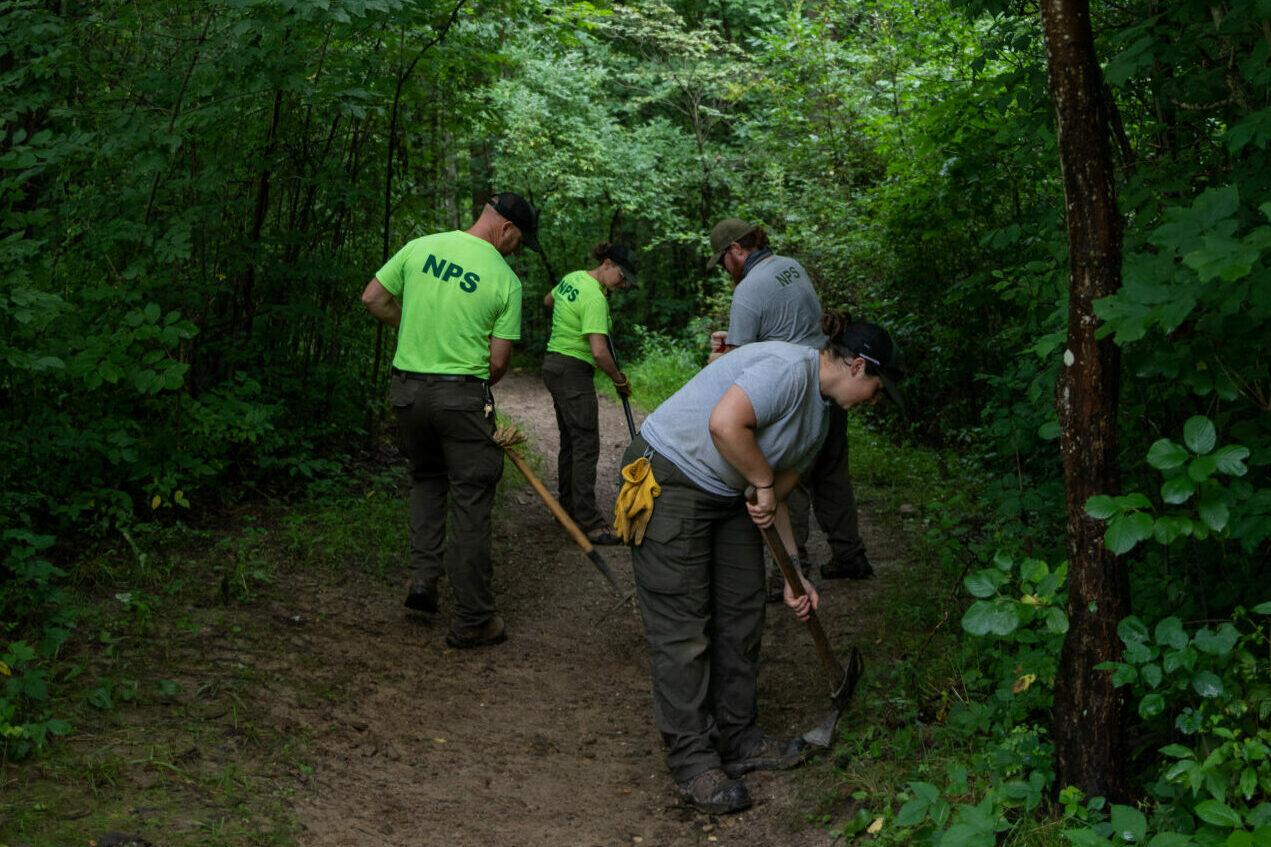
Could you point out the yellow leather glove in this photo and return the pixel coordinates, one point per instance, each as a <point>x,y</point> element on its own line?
<point>635,501</point>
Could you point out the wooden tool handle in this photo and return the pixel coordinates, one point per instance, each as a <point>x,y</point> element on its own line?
<point>834,673</point>
<point>557,510</point>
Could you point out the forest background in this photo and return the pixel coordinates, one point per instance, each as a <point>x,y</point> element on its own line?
<point>194,195</point>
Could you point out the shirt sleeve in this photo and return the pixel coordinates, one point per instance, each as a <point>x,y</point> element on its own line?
<point>508,324</point>
<point>773,388</point>
<point>595,316</point>
<point>743,319</point>
<point>391,276</point>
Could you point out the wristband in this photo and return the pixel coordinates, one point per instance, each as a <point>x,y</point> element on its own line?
<point>769,485</point>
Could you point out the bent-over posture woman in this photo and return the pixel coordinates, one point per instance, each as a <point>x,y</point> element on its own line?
<point>756,417</point>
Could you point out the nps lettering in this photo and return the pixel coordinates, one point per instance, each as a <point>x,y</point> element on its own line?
<point>788,276</point>
<point>446,271</point>
<point>568,291</point>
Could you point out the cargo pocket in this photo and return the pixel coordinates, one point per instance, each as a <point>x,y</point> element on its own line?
<point>664,563</point>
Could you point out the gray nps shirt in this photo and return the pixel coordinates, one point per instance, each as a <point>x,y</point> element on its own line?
<point>781,382</point>
<point>776,302</point>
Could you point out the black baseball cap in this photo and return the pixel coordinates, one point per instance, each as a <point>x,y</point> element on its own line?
<point>624,258</point>
<point>518,210</point>
<point>873,344</point>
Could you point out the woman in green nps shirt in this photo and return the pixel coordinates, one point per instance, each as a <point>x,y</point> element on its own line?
<point>579,344</point>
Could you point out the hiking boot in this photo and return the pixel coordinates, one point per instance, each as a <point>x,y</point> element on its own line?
<point>770,754</point>
<point>422,598</point>
<point>857,567</point>
<point>490,632</point>
<point>603,536</point>
<point>714,793</point>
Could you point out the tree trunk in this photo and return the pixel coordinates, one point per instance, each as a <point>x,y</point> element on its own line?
<point>1089,712</point>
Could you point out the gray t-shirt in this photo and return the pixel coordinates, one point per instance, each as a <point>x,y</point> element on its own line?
<point>776,302</point>
<point>781,382</point>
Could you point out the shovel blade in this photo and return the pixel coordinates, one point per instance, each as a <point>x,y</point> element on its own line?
<point>822,735</point>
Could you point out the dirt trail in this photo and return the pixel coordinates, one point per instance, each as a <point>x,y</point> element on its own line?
<point>546,739</point>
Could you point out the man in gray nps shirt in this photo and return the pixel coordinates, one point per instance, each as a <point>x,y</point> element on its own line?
<point>774,300</point>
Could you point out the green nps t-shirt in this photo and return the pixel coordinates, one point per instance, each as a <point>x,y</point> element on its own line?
<point>456,291</point>
<point>580,309</point>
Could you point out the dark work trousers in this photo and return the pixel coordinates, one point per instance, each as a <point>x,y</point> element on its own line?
<point>454,468</point>
<point>829,486</point>
<point>571,382</point>
<point>699,580</point>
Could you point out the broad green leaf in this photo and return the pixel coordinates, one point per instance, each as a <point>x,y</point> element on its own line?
<point>1171,527</point>
<point>1207,684</point>
<point>1101,507</point>
<point>1214,513</point>
<point>984,617</point>
<point>1128,823</point>
<point>1199,435</point>
<point>1178,751</point>
<point>1217,643</point>
<point>1056,620</point>
<point>925,791</point>
<point>984,583</point>
<point>1126,530</point>
<point>1170,839</point>
<point>1177,489</point>
<point>961,835</point>
<point>1165,454</point>
<point>1132,630</point>
<point>1201,468</point>
<point>1033,570</point>
<point>1084,838</point>
<point>912,813</point>
<point>1151,705</point>
<point>1218,814</point>
<point>1151,674</point>
<point>1239,838</point>
<point>1170,633</point>
<point>1125,675</point>
<point>1262,608</point>
<point>1222,257</point>
<point>1248,783</point>
<point>1230,459</point>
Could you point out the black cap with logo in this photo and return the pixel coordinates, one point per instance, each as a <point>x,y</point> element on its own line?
<point>873,344</point>
<point>518,210</point>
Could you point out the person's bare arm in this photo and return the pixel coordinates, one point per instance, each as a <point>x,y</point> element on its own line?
<point>380,303</point>
<point>732,428</point>
<point>500,358</point>
<point>549,301</point>
<point>599,343</point>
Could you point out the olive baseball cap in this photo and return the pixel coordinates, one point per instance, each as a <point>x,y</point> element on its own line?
<point>873,344</point>
<point>518,210</point>
<point>624,258</point>
<point>725,233</point>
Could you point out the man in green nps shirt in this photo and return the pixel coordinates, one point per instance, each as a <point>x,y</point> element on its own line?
<point>457,308</point>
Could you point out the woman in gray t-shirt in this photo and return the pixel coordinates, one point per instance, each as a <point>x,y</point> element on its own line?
<point>755,417</point>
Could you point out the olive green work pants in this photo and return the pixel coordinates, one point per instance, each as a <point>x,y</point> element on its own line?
<point>454,467</point>
<point>699,580</point>
<point>572,385</point>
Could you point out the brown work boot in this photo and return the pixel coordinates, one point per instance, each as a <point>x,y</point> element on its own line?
<point>490,632</point>
<point>714,793</point>
<point>770,754</point>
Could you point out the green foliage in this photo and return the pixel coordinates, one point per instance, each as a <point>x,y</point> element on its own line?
<point>1192,473</point>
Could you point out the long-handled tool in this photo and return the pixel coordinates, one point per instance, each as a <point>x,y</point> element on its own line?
<point>626,404</point>
<point>842,679</point>
<point>505,437</point>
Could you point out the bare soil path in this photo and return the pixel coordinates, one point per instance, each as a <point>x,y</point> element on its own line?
<point>548,738</point>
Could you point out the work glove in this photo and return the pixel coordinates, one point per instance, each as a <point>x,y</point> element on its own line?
<point>635,501</point>
<point>622,385</point>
